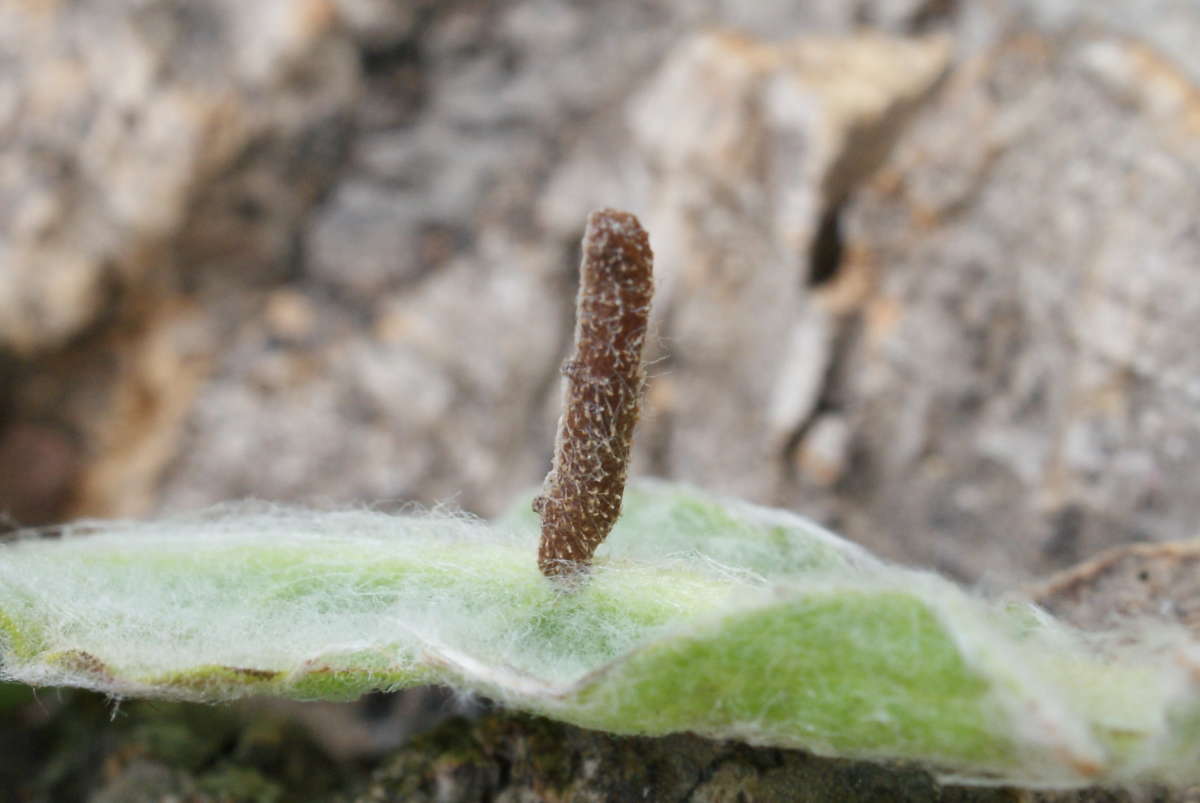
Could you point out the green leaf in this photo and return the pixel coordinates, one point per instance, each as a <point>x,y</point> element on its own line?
<point>699,614</point>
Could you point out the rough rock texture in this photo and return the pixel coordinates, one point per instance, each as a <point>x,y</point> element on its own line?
<point>925,266</point>
<point>78,747</point>
<point>1155,583</point>
<point>156,751</point>
<point>501,758</point>
<point>157,160</point>
<point>748,147</point>
<point>388,344</point>
<point>1022,389</point>
<point>523,758</point>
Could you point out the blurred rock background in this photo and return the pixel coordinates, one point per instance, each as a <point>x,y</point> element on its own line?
<point>927,268</point>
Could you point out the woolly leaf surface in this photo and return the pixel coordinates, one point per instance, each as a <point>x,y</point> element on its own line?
<point>700,614</point>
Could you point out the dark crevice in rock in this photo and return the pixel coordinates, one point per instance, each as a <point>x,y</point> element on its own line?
<point>397,72</point>
<point>934,14</point>
<point>828,248</point>
<point>1062,547</point>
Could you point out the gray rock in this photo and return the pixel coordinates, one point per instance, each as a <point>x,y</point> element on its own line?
<point>1025,353</point>
<point>924,267</point>
<point>157,159</point>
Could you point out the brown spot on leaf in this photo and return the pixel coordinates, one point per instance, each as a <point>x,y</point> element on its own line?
<point>256,674</point>
<point>85,663</point>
